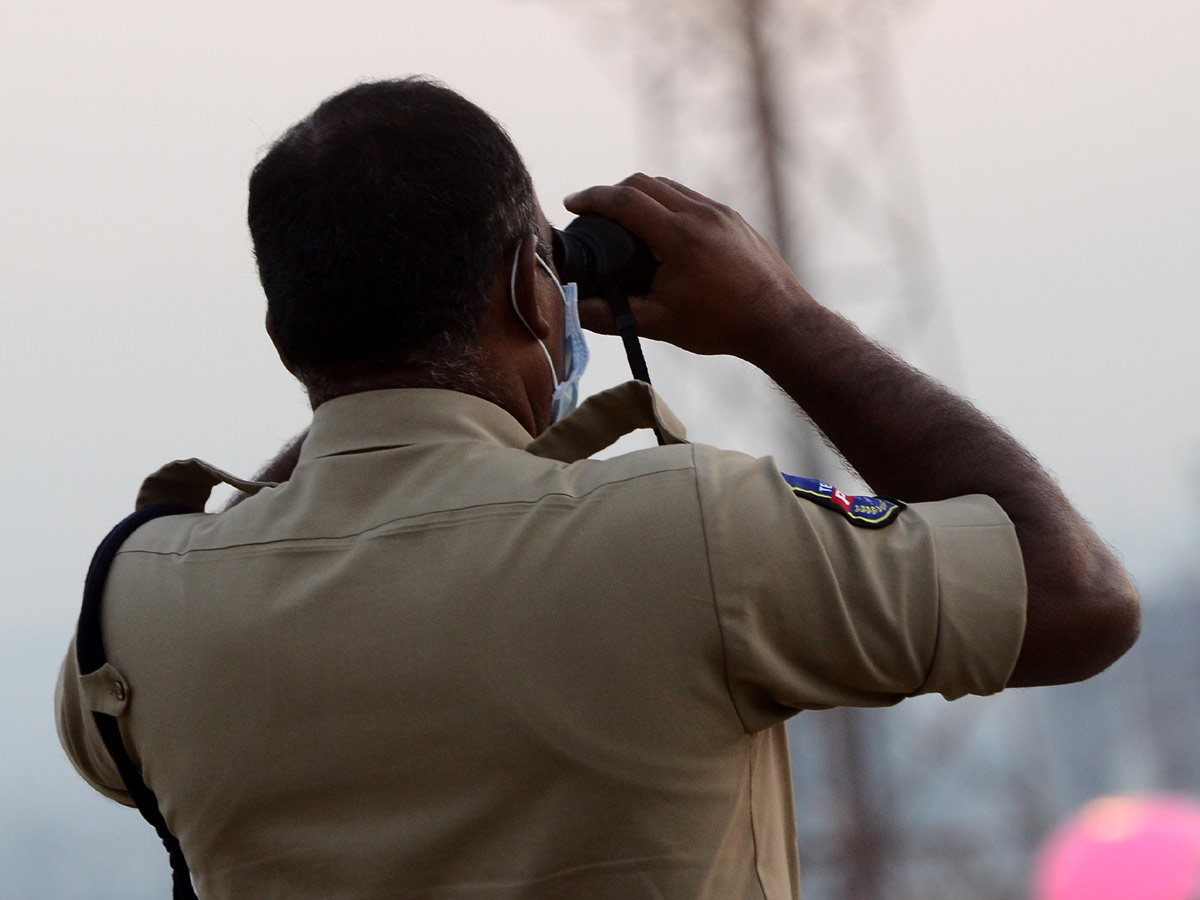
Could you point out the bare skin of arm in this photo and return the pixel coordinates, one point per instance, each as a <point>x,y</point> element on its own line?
<point>722,289</point>
<point>278,469</point>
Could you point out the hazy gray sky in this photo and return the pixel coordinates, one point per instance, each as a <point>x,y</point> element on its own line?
<point>1058,143</point>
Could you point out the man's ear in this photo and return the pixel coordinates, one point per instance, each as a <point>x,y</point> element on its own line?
<point>282,358</point>
<point>526,289</point>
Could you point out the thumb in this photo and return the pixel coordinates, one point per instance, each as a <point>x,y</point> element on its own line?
<point>595,315</point>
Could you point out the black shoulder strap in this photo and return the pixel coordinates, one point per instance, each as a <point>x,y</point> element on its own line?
<point>89,650</point>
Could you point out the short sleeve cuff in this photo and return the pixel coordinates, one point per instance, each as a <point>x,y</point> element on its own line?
<point>981,596</point>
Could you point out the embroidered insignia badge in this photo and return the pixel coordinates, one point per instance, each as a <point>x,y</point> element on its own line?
<point>863,511</point>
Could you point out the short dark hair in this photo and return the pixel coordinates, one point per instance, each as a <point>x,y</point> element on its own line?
<point>378,222</point>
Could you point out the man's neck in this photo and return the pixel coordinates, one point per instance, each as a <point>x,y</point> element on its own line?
<point>466,379</point>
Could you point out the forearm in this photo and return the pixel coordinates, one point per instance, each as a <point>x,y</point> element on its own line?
<point>911,438</point>
<point>279,469</point>
<point>903,432</point>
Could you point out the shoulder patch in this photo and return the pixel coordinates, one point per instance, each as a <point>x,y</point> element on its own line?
<point>865,512</point>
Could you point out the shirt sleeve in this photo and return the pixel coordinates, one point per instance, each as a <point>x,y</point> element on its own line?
<point>816,612</point>
<point>77,730</point>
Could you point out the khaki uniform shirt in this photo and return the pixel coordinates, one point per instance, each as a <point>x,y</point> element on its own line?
<point>443,662</point>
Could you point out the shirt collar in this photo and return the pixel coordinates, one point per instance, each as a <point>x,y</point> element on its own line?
<point>397,417</point>
<point>372,420</point>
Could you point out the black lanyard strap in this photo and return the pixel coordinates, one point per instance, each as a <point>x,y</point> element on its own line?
<point>626,325</point>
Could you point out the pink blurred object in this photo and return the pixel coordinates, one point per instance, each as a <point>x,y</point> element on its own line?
<point>1124,848</point>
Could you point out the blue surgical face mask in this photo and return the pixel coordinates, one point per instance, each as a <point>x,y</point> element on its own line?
<point>575,348</point>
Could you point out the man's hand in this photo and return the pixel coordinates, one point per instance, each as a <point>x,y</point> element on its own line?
<point>720,286</point>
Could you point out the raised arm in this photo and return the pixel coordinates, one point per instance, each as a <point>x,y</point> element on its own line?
<point>721,288</point>
<point>278,469</point>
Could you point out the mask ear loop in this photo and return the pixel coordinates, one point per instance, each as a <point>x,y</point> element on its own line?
<point>512,296</point>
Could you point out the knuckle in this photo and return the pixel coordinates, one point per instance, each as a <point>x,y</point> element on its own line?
<point>723,211</point>
<point>705,219</point>
<point>623,195</point>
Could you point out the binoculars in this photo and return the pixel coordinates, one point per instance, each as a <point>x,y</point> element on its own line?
<point>603,258</point>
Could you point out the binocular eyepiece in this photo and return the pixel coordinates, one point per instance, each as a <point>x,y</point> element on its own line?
<point>602,257</point>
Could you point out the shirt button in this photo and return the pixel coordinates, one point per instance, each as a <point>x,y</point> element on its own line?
<point>118,690</point>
